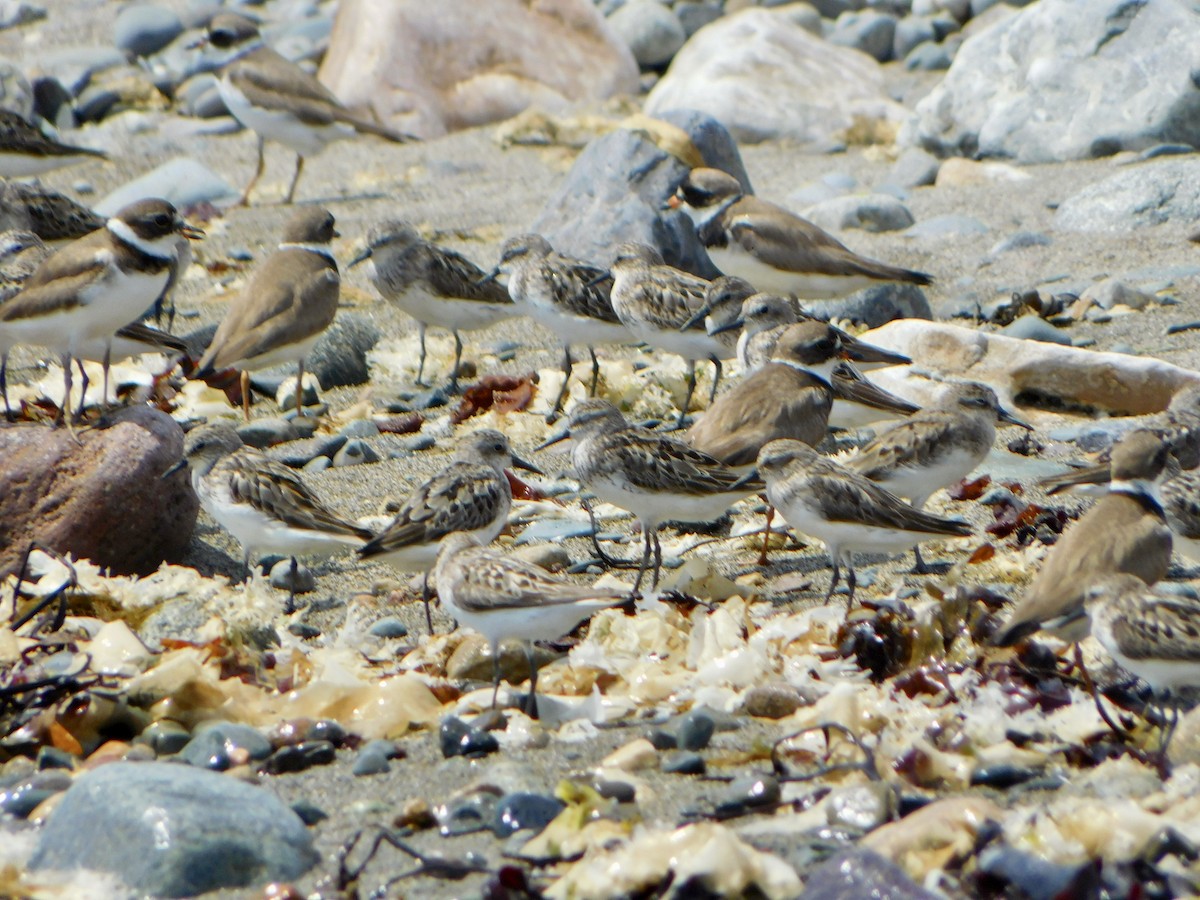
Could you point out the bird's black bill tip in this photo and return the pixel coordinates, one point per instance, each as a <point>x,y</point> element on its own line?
<point>526,465</point>
<point>1011,419</point>
<point>173,469</point>
<point>552,440</point>
<point>749,479</point>
<point>361,257</point>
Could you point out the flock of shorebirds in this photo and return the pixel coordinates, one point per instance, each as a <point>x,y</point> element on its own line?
<point>800,376</point>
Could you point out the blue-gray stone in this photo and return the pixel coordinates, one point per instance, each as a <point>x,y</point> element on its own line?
<point>317,464</point>
<point>73,67</point>
<point>914,168</point>
<point>183,181</point>
<point>214,742</point>
<point>910,32</point>
<point>339,358</point>
<point>694,730</point>
<point>1152,193</point>
<point>16,93</point>
<point>947,225</point>
<point>652,32</point>
<point>523,810</point>
<point>24,796</point>
<point>457,738</point>
<point>299,757</point>
<point>1019,241</point>
<point>616,189</point>
<point>684,763</point>
<point>870,212</point>
<point>876,305</point>
<point>694,16</point>
<point>145,28</point>
<point>928,57</point>
<point>94,103</point>
<point>267,432</point>
<point>174,831</point>
<point>870,31</point>
<point>1035,328</point>
<point>19,12</point>
<point>356,452</point>
<point>303,581</point>
<point>389,628</point>
<point>164,737</point>
<point>857,873</point>
<point>373,758</point>
<point>360,428</point>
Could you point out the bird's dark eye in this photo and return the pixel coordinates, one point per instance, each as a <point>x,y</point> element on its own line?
<point>221,38</point>
<point>499,448</point>
<point>162,220</point>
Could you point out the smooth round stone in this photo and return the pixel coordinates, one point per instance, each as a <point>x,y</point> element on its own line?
<point>684,763</point>
<point>326,730</point>
<point>53,758</point>
<point>301,582</point>
<point>389,628</point>
<point>356,452</point>
<point>1035,328</point>
<point>662,739</point>
<point>307,419</point>
<point>862,807</point>
<point>183,181</point>
<point>317,464</point>
<point>694,730</point>
<point>469,814</point>
<point>360,428</point>
<point>267,432</point>
<point>304,631</point>
<point>431,399</point>
<point>911,31</point>
<point>614,789</point>
<point>870,31</point>
<point>310,395</point>
<point>22,798</point>
<point>457,738</point>
<point>310,814</point>
<point>213,745</point>
<point>772,701</point>
<point>694,16</point>
<point>164,737</point>
<point>928,57</point>
<point>525,811</point>
<point>373,758</point>
<point>749,793</point>
<point>145,28</point>
<point>174,831</point>
<point>298,757</point>
<point>654,33</point>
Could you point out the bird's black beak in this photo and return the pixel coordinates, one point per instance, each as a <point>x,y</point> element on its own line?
<point>556,439</point>
<point>1006,416</point>
<point>489,276</point>
<point>697,318</point>
<point>749,478</point>
<point>191,232</point>
<point>861,351</point>
<point>599,279</point>
<point>175,468</point>
<point>526,465</point>
<point>362,257</point>
<point>735,325</point>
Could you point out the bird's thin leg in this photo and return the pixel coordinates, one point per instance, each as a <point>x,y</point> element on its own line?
<point>258,170</point>
<point>646,550</point>
<point>291,600</point>
<point>837,575</point>
<point>657,560</point>
<point>245,377</point>
<point>595,371</point>
<point>425,595</point>
<point>64,411</point>
<point>1090,686</point>
<point>495,673</point>
<point>84,382</point>
<point>421,358</point>
<point>457,362</point>
<point>919,567</point>
<point>762,556</point>
<point>295,179</point>
<point>531,708</point>
<point>4,384</point>
<point>717,369</point>
<point>562,392</point>
<point>106,365</point>
<point>687,400</point>
<point>299,386</point>
<point>851,581</point>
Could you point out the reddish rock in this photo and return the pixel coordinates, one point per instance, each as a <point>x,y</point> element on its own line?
<point>101,498</point>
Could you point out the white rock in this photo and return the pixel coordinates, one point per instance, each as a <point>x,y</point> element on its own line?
<point>428,68</point>
<point>763,76</point>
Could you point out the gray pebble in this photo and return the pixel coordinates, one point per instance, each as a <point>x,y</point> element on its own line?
<point>145,28</point>
<point>302,582</point>
<point>914,168</point>
<point>355,453</point>
<point>872,212</point>
<point>213,743</point>
<point>652,31</point>
<point>694,730</point>
<point>267,432</point>
<point>1019,241</point>
<point>748,793</point>
<point>928,57</point>
<point>911,31</point>
<point>457,738</point>
<point>870,31</point>
<point>183,181</point>
<point>525,810</point>
<point>389,628</point>
<point>373,758</point>
<point>317,464</point>
<point>947,225</point>
<point>304,631</point>
<point>684,763</point>
<point>164,737</point>
<point>1035,328</point>
<point>360,428</point>
<point>694,16</point>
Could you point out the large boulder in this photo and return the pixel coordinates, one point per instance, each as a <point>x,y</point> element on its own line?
<point>616,189</point>
<point>430,68</point>
<point>168,830</point>
<point>764,76</point>
<point>1068,80</point>
<point>101,496</point>
<point>1151,193</point>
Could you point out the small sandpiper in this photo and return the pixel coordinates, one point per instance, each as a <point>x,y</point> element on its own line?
<point>772,248</point>
<point>85,291</point>
<point>434,285</point>
<point>26,151</point>
<point>568,296</point>
<point>1178,426</point>
<point>503,598</point>
<point>1181,503</point>
<point>472,494</point>
<point>48,214</point>
<point>846,511</point>
<point>655,477</point>
<point>1125,532</point>
<point>936,447</point>
<point>285,307</point>
<point>1151,634</point>
<point>654,301</point>
<point>261,502</point>
<point>278,100</point>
